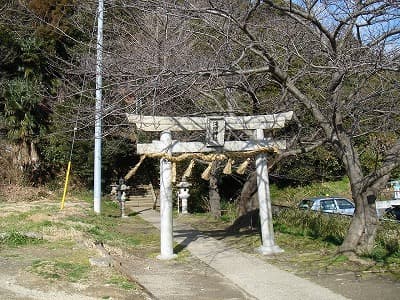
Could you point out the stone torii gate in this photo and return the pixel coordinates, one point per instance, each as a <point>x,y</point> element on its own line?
<point>215,128</point>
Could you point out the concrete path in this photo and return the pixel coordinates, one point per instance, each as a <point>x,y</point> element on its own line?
<point>252,276</point>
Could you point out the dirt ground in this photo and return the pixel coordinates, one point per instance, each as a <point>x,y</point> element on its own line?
<point>353,284</point>
<point>358,286</point>
<point>20,280</point>
<point>31,271</point>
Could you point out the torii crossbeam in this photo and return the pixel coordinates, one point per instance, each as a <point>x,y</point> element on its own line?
<point>215,127</point>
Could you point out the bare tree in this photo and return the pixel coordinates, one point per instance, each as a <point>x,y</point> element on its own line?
<point>334,61</point>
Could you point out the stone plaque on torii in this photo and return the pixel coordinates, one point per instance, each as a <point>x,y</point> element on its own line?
<point>215,127</point>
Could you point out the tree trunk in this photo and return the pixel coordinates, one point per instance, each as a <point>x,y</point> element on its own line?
<point>246,201</point>
<point>364,224</point>
<point>361,235</point>
<point>215,198</point>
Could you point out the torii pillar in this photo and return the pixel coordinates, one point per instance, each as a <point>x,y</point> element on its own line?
<point>264,200</point>
<point>166,222</point>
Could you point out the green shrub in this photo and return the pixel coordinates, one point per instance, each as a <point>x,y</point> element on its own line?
<point>387,237</point>
<point>331,228</point>
<point>378,254</point>
<point>291,196</point>
<point>228,211</point>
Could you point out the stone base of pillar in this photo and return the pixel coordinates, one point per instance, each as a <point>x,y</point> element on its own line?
<point>166,257</point>
<point>269,250</point>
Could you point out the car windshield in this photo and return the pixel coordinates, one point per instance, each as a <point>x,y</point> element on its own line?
<point>344,204</point>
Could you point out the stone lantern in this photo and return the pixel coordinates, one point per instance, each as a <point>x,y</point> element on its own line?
<point>122,189</point>
<point>183,194</point>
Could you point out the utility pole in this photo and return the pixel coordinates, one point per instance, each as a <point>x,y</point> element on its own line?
<point>98,111</point>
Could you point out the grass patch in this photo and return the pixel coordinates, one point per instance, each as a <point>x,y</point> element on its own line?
<point>99,233</point>
<point>112,230</point>
<point>340,258</point>
<point>17,239</point>
<point>14,220</point>
<point>82,194</point>
<point>60,270</point>
<point>25,221</point>
<point>330,228</point>
<point>66,244</point>
<point>228,212</point>
<point>122,282</point>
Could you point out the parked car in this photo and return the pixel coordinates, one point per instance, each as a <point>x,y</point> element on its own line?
<point>334,205</point>
<point>392,213</point>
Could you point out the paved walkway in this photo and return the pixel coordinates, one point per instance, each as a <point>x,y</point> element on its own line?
<point>248,276</point>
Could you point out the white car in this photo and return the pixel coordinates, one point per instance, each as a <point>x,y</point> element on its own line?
<point>333,205</point>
